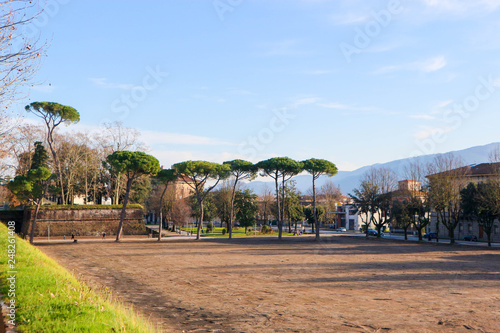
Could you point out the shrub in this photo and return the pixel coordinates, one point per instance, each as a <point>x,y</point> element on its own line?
<point>224,231</point>
<point>210,227</point>
<point>266,229</point>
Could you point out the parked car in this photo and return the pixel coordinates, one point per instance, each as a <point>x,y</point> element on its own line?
<point>372,232</point>
<point>470,238</point>
<point>341,229</point>
<point>431,235</point>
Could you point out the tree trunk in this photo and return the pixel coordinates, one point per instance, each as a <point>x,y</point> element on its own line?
<point>437,228</point>
<point>451,233</point>
<point>406,233</point>
<point>314,210</point>
<point>419,230</point>
<point>117,190</point>
<point>59,175</point>
<point>86,185</point>
<point>283,194</point>
<point>280,226</point>
<point>124,209</point>
<point>160,226</point>
<point>231,211</point>
<point>32,231</point>
<point>94,194</point>
<point>200,222</point>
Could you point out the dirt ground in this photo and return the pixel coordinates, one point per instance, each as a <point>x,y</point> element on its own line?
<point>342,284</point>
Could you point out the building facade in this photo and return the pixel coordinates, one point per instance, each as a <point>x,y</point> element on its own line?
<point>476,174</point>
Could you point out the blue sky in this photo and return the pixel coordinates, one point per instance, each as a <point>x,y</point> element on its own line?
<point>352,81</point>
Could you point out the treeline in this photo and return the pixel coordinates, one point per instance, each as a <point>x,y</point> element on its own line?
<point>444,192</point>
<point>112,164</point>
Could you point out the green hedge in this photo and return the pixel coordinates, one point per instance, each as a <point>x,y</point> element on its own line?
<point>83,207</point>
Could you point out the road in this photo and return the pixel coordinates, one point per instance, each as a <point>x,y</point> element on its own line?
<point>307,234</point>
<point>401,237</point>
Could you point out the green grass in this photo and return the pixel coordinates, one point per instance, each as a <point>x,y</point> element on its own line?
<point>237,232</point>
<point>50,299</point>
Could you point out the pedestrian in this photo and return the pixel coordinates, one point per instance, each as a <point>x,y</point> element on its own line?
<point>72,236</point>
<point>103,235</point>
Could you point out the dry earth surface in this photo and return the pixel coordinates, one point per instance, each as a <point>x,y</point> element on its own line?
<point>342,284</point>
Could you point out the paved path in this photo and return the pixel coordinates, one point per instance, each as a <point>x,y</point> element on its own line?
<point>167,235</point>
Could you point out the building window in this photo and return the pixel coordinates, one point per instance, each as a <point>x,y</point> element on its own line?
<point>460,227</point>
<point>495,229</point>
<point>469,228</point>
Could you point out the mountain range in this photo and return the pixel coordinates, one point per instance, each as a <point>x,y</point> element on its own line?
<point>348,180</point>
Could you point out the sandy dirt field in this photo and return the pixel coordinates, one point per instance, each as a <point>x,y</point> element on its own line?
<point>342,284</point>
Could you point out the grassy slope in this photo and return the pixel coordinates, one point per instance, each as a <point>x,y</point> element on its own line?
<point>50,299</point>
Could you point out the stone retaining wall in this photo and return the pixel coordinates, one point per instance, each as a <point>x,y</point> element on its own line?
<point>84,222</point>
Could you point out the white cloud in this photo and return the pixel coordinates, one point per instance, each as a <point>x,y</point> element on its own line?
<point>162,138</point>
<point>444,103</point>
<point>428,65</point>
<point>103,83</point>
<point>461,6</point>
<point>431,65</point>
<point>304,101</point>
<point>338,106</point>
<point>350,19</point>
<point>427,131</point>
<point>169,157</point>
<point>422,116</point>
<point>150,138</point>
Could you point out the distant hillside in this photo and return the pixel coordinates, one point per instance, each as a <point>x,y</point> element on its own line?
<point>348,180</point>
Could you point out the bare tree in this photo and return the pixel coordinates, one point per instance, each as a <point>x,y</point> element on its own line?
<point>494,156</point>
<point>116,137</point>
<point>331,195</point>
<point>222,200</point>
<point>19,55</point>
<point>20,148</point>
<point>447,177</point>
<point>365,202</point>
<point>181,213</point>
<point>19,60</point>
<point>384,179</point>
<point>374,197</point>
<point>418,205</point>
<point>266,203</point>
